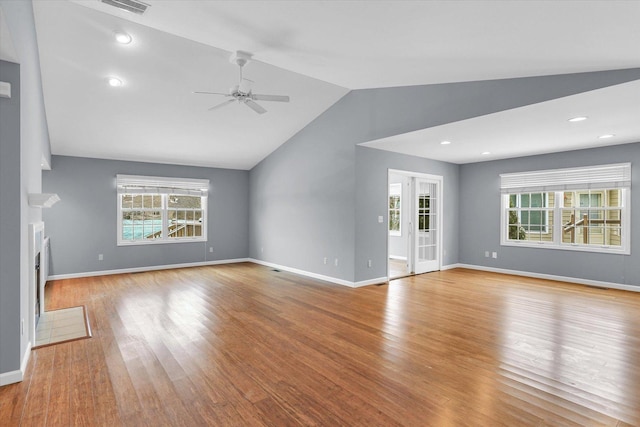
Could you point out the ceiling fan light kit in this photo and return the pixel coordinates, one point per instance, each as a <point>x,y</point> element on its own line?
<point>242,91</point>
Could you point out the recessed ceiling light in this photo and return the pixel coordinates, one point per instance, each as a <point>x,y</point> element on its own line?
<point>578,119</point>
<point>123,38</point>
<point>606,136</point>
<point>445,142</point>
<point>485,153</point>
<point>114,82</point>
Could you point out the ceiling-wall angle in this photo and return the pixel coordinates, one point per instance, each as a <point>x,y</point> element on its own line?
<point>128,5</point>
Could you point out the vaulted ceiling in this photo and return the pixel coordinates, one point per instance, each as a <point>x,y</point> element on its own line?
<point>316,52</point>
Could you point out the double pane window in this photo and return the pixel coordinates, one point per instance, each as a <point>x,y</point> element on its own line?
<point>161,210</point>
<point>584,208</point>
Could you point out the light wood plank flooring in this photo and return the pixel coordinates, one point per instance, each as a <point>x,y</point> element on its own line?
<point>242,345</point>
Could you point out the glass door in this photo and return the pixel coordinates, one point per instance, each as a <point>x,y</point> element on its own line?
<point>427,225</point>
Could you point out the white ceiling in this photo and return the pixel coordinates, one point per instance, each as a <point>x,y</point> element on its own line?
<point>533,129</point>
<point>7,50</point>
<point>315,51</point>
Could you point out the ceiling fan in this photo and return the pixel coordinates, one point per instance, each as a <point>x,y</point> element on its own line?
<point>242,91</point>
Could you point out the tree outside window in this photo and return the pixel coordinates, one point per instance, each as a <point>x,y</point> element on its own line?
<point>395,210</point>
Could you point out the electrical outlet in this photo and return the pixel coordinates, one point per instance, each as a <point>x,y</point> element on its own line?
<point>210,249</point>
<point>494,255</point>
<point>369,263</point>
<point>261,250</point>
<point>100,257</point>
<point>380,219</point>
<point>335,262</point>
<point>325,260</point>
<point>486,254</point>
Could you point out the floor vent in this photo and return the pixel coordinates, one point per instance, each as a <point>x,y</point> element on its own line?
<point>128,5</point>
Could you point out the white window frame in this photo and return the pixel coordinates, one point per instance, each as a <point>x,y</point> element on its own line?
<point>602,177</point>
<point>396,190</point>
<point>544,208</point>
<point>162,186</point>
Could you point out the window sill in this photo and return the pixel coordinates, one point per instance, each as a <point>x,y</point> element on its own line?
<point>160,242</point>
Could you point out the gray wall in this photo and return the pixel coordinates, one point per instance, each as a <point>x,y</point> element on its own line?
<point>83,224</point>
<point>480,219</point>
<point>10,220</point>
<point>21,24</point>
<point>303,195</point>
<point>372,166</point>
<point>34,148</point>
<point>302,201</point>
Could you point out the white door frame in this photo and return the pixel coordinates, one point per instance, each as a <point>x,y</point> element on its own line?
<point>411,255</point>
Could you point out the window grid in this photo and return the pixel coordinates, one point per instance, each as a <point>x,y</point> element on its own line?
<point>395,210</point>
<point>531,216</point>
<point>592,217</point>
<point>151,218</point>
<point>587,220</point>
<point>184,215</point>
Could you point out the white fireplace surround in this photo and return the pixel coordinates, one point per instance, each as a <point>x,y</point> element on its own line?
<point>36,246</point>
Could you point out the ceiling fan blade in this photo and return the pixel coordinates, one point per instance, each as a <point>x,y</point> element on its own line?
<point>277,98</point>
<point>227,102</point>
<point>255,107</point>
<point>212,93</point>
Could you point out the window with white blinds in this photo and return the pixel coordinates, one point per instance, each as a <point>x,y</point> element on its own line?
<point>161,185</point>
<point>585,208</point>
<point>603,176</point>
<point>161,209</point>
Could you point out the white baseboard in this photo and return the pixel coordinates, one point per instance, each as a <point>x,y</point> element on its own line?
<point>330,279</point>
<point>398,257</point>
<point>376,281</point>
<point>11,377</point>
<point>224,261</point>
<point>595,283</point>
<point>149,268</point>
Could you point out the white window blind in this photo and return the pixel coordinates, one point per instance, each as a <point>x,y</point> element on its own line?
<point>582,178</point>
<point>161,185</point>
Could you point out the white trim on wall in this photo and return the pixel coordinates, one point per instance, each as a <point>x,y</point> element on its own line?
<point>12,377</point>
<point>321,276</point>
<point>375,281</point>
<point>588,282</point>
<point>342,282</point>
<point>149,268</point>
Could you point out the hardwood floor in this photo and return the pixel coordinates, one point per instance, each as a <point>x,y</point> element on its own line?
<point>242,345</point>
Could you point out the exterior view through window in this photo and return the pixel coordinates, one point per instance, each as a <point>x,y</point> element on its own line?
<point>395,219</point>
<point>161,210</point>
<point>576,209</point>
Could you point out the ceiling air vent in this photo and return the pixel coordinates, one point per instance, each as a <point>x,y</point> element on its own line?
<point>128,5</point>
